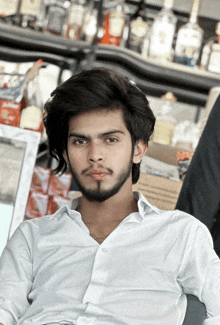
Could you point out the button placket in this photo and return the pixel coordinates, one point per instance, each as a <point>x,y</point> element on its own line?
<point>98,277</point>
<point>99,274</point>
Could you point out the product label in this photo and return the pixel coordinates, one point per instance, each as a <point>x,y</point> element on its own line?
<point>188,43</point>
<point>30,7</point>
<point>76,15</point>
<point>139,28</point>
<point>56,19</point>
<point>10,112</point>
<point>116,23</point>
<point>161,39</point>
<point>8,7</point>
<point>31,118</point>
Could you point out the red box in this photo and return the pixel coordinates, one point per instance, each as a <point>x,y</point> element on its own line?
<point>55,202</point>
<point>40,179</point>
<point>37,205</point>
<point>10,112</point>
<point>59,185</point>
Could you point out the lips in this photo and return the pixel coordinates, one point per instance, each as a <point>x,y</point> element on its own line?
<point>97,174</point>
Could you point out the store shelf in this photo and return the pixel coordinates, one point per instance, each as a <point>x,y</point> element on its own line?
<point>156,78</point>
<point>190,85</point>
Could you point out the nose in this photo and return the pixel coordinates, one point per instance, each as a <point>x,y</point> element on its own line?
<point>95,153</point>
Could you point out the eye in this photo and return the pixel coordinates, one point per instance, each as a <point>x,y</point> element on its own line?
<point>111,140</point>
<point>79,142</point>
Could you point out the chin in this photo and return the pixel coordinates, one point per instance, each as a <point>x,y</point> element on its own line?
<point>100,195</point>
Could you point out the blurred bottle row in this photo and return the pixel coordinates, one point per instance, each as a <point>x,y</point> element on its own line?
<point>21,102</point>
<point>21,105</point>
<point>156,37</point>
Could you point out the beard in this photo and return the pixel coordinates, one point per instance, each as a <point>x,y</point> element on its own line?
<point>99,194</point>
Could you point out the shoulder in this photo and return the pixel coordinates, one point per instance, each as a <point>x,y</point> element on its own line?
<point>32,227</point>
<point>180,218</point>
<point>186,225</point>
<point>174,219</point>
<point>187,220</point>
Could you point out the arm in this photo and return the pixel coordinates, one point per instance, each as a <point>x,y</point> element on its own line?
<point>15,278</point>
<point>200,273</point>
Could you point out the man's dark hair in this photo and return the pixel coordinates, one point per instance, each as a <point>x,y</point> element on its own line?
<point>91,90</point>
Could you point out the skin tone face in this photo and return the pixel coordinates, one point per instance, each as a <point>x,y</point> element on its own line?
<point>100,154</point>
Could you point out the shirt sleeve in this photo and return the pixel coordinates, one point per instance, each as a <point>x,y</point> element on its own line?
<point>200,273</point>
<point>15,278</point>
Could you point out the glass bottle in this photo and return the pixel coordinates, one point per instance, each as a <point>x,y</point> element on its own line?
<point>90,25</point>
<point>189,39</point>
<point>30,11</point>
<point>56,16</point>
<point>146,44</point>
<point>75,20</point>
<point>138,28</point>
<point>114,22</point>
<point>31,115</point>
<point>165,120</point>
<point>41,19</point>
<point>124,38</point>
<point>210,59</point>
<point>162,34</point>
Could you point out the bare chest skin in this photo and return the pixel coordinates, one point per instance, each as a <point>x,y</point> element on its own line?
<point>102,219</point>
<point>100,231</point>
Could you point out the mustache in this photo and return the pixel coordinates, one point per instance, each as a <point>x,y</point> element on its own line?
<point>99,167</point>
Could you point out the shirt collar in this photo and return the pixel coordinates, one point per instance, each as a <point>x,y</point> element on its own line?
<point>144,207</point>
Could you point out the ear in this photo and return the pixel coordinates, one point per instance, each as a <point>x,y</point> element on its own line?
<point>65,158</point>
<point>140,149</point>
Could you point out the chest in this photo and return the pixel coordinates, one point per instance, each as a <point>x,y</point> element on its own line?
<point>127,254</point>
<point>100,231</point>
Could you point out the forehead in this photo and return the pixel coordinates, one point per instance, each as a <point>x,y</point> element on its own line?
<point>98,121</point>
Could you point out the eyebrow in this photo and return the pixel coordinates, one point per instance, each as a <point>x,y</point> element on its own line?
<point>83,136</point>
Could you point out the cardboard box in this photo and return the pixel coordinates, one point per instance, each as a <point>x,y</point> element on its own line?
<point>159,191</point>
<point>163,152</point>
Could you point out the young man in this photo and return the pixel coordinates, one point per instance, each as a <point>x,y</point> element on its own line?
<point>112,258</point>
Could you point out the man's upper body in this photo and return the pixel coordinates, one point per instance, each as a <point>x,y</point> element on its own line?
<point>112,258</point>
<point>54,271</point>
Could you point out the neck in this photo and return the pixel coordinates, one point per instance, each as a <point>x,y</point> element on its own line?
<point>115,208</point>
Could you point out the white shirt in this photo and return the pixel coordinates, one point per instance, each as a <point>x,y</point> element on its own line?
<point>53,271</point>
